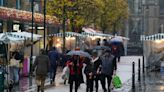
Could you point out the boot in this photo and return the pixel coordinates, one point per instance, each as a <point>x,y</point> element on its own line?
<point>38,89</point>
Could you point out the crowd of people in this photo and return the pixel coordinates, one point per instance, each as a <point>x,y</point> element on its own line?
<point>99,68</point>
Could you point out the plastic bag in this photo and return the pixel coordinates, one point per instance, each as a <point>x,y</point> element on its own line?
<point>116,81</point>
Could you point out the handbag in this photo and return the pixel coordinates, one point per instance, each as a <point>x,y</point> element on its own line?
<point>14,62</point>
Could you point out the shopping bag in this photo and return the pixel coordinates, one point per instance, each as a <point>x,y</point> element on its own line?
<point>116,81</point>
<point>65,73</point>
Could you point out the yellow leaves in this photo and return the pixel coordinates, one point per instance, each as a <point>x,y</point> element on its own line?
<point>102,12</point>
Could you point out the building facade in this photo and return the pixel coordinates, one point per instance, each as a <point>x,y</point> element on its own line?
<point>16,16</point>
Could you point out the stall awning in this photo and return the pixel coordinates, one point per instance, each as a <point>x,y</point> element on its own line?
<point>92,32</point>
<point>67,34</point>
<point>10,37</point>
<point>154,37</point>
<point>26,35</point>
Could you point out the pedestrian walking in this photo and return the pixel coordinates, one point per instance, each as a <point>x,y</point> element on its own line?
<point>65,74</point>
<point>14,68</point>
<point>53,56</point>
<point>89,75</point>
<point>107,69</point>
<point>42,65</point>
<point>74,70</point>
<point>115,53</point>
<point>97,63</point>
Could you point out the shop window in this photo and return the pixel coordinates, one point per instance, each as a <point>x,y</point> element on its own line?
<point>18,4</point>
<point>161,5</point>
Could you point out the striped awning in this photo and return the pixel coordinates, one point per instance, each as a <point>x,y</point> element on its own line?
<point>67,34</point>
<point>97,34</point>
<point>154,37</point>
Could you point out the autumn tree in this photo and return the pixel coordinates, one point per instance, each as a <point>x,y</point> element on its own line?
<point>105,14</point>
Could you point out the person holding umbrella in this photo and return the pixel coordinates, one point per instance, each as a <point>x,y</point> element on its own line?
<point>75,67</point>
<point>74,75</point>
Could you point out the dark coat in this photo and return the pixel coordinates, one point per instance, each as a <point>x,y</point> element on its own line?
<point>41,64</point>
<point>53,56</point>
<point>97,64</point>
<point>107,64</point>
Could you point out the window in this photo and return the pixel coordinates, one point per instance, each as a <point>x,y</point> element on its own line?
<point>161,5</point>
<point>1,2</point>
<point>17,4</point>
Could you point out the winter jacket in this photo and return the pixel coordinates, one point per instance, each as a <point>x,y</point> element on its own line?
<point>72,68</point>
<point>107,64</point>
<point>53,56</point>
<point>41,64</point>
<point>88,69</point>
<point>97,64</point>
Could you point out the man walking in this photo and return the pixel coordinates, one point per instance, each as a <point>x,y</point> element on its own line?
<point>42,65</point>
<point>53,56</point>
<point>107,69</point>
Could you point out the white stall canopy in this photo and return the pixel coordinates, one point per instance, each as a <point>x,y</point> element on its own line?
<point>67,34</point>
<point>14,37</point>
<point>92,32</point>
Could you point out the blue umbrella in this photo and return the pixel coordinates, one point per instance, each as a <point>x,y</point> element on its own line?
<point>79,53</point>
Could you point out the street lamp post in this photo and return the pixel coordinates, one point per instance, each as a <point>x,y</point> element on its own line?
<point>44,24</point>
<point>32,10</point>
<point>64,19</point>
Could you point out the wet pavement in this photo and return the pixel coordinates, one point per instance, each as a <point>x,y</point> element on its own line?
<point>150,82</point>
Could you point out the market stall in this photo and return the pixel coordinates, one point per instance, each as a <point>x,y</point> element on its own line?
<point>72,40</point>
<point>18,41</point>
<point>92,36</point>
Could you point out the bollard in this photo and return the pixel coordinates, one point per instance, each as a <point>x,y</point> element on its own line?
<point>133,75</point>
<point>143,65</point>
<point>139,70</point>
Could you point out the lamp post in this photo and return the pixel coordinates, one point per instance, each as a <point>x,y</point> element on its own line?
<point>32,10</point>
<point>64,19</point>
<point>44,24</point>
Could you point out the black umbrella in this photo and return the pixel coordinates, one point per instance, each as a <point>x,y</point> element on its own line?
<point>101,48</point>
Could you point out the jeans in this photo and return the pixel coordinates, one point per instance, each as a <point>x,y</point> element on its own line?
<point>53,73</point>
<point>14,74</point>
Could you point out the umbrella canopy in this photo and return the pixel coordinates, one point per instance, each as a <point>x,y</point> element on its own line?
<point>79,53</point>
<point>116,39</point>
<point>101,48</point>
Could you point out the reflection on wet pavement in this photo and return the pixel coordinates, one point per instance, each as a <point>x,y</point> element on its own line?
<point>151,82</point>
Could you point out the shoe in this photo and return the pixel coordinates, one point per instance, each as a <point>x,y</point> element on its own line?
<point>38,89</point>
<point>51,81</point>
